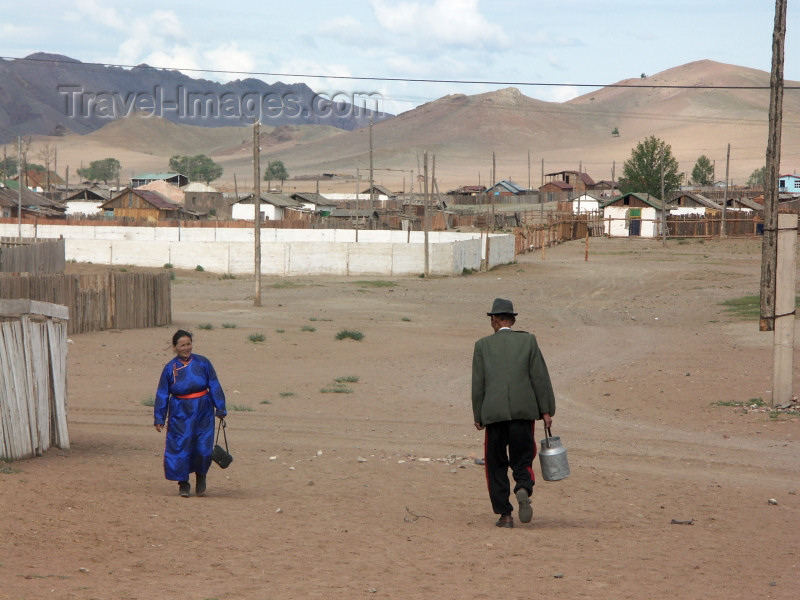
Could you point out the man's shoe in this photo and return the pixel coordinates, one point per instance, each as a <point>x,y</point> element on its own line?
<point>525,510</point>
<point>200,485</point>
<point>184,489</point>
<point>506,521</point>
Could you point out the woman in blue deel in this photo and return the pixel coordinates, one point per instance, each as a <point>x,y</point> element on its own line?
<point>189,395</point>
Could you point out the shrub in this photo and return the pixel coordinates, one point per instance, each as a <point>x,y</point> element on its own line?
<point>348,333</point>
<point>256,337</point>
<point>205,326</point>
<point>199,268</point>
<point>308,328</point>
<point>167,265</point>
<point>229,325</point>
<point>347,379</point>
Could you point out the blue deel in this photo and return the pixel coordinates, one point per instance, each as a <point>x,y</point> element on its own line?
<point>190,428</point>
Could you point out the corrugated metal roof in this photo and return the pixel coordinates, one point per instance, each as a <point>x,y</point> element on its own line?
<point>646,198</point>
<point>280,200</point>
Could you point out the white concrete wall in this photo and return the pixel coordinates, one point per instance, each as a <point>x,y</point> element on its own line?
<point>284,252</point>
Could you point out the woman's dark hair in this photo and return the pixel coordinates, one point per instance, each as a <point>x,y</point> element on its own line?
<point>179,334</point>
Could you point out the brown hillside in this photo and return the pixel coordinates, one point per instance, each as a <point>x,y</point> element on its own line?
<point>463,132</point>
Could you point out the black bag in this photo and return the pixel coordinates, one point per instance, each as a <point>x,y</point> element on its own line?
<point>220,455</point>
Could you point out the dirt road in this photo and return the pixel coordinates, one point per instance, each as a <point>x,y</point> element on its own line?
<point>368,488</point>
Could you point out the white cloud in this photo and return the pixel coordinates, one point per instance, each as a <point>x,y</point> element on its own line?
<point>457,23</point>
<point>229,56</point>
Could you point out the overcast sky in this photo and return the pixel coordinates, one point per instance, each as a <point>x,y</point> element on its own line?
<point>508,41</point>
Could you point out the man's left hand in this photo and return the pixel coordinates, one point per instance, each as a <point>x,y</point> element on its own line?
<point>478,426</point>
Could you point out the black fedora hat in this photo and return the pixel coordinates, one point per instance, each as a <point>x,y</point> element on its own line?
<point>501,306</point>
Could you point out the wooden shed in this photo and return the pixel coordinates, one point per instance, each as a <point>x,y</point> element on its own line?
<point>142,205</point>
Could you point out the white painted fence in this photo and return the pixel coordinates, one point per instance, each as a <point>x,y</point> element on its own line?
<point>284,252</point>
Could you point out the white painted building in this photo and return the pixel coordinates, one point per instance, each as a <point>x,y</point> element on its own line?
<point>585,203</point>
<point>633,215</point>
<point>272,207</point>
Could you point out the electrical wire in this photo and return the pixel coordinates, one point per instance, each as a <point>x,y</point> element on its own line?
<point>405,79</point>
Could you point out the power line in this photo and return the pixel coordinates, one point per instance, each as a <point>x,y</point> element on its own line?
<point>404,79</point>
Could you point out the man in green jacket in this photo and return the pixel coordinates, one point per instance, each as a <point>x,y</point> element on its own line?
<point>511,389</point>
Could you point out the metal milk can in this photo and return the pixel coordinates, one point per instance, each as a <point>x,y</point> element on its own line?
<point>553,458</point>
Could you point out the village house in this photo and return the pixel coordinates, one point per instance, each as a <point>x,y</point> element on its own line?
<point>565,185</point>
<point>314,202</point>
<point>87,201</point>
<point>33,204</point>
<point>143,205</point>
<point>504,189</point>
<point>634,215</point>
<point>273,207</point>
<point>586,203</point>
<point>789,184</point>
<point>689,203</point>
<point>206,200</point>
<point>173,178</point>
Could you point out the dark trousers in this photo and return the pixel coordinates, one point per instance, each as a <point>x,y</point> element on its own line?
<point>509,444</point>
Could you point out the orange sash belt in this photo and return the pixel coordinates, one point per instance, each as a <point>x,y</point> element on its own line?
<point>195,395</point>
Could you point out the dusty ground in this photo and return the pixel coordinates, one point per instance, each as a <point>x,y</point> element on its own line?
<point>375,494</point>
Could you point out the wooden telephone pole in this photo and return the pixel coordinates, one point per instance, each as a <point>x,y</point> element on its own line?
<point>769,244</point>
<point>257,208</point>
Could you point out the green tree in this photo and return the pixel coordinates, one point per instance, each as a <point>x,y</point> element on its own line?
<point>105,170</point>
<point>758,178</point>
<point>275,171</point>
<point>8,166</point>
<point>642,171</point>
<point>196,168</point>
<point>703,172</point>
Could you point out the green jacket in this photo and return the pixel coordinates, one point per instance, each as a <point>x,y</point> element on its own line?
<point>510,379</point>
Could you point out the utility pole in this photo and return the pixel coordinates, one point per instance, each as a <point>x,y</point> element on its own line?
<point>371,173</point>
<point>541,198</point>
<point>663,201</point>
<point>722,232</point>
<point>529,169</point>
<point>494,176</point>
<point>613,174</point>
<point>769,244</point>
<point>425,214</point>
<point>19,188</point>
<point>358,199</point>
<point>257,208</point>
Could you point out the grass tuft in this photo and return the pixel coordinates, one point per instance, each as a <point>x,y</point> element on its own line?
<point>241,408</point>
<point>347,379</point>
<point>229,325</point>
<point>207,326</point>
<point>149,401</point>
<point>308,328</point>
<point>256,337</point>
<point>349,333</point>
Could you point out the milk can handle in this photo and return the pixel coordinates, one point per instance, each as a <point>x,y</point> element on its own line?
<point>547,436</point>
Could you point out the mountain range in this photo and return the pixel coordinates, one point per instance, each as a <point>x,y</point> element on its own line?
<point>698,108</point>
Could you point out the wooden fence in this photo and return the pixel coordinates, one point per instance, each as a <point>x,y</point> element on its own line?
<point>110,300</point>
<point>30,255</point>
<point>33,378</point>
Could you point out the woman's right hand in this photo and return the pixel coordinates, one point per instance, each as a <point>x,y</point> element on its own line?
<point>159,427</point>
